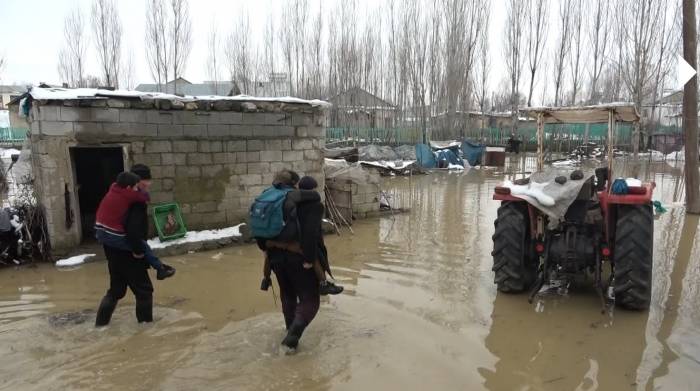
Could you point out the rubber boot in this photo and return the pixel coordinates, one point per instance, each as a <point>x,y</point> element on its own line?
<point>294,332</point>
<point>104,312</point>
<point>144,310</point>
<point>164,272</point>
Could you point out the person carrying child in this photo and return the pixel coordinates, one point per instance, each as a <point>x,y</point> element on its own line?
<point>111,214</point>
<point>278,231</point>
<point>310,214</point>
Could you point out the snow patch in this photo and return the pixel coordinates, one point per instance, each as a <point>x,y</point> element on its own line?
<point>199,236</point>
<point>676,156</point>
<point>56,93</point>
<point>7,153</point>
<point>73,261</point>
<point>455,167</point>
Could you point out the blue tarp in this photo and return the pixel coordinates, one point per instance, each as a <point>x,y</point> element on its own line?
<point>472,152</point>
<point>425,156</point>
<point>446,157</point>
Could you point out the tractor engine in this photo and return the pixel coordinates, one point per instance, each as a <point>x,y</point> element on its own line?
<point>573,246</point>
<point>572,249</point>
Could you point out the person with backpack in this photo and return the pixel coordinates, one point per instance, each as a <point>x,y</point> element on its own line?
<point>273,218</point>
<point>310,215</point>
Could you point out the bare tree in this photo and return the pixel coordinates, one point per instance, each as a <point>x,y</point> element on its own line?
<point>213,64</point>
<point>107,30</point>
<point>598,40</point>
<point>129,74</point>
<point>537,17</point>
<point>481,74</point>
<point>513,52</point>
<point>561,51</point>
<point>71,57</point>
<point>576,49</point>
<point>157,50</point>
<point>641,23</point>
<point>270,49</point>
<point>690,113</point>
<point>180,37</point>
<point>239,54</point>
<point>414,24</point>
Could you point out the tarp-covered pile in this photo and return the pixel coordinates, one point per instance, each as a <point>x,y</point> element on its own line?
<point>341,169</point>
<point>544,193</point>
<point>373,152</point>
<point>441,158</point>
<point>472,152</point>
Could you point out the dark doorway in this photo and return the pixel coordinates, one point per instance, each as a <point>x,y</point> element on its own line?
<point>95,170</point>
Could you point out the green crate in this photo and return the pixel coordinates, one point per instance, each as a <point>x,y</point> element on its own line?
<point>160,218</point>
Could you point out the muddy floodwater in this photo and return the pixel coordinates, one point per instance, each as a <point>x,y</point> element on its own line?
<point>420,312</point>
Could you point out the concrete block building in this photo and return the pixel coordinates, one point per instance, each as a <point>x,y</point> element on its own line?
<point>212,156</point>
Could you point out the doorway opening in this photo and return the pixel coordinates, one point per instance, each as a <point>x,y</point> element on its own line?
<point>95,170</point>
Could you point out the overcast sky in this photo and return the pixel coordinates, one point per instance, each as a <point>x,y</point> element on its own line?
<point>33,34</point>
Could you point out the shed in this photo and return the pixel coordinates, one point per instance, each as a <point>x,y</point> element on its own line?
<point>211,155</point>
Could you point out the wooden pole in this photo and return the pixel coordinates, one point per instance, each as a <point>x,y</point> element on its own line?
<point>611,144</point>
<point>690,111</point>
<point>540,141</point>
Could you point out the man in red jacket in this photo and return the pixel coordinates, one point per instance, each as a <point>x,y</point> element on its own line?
<point>127,268</point>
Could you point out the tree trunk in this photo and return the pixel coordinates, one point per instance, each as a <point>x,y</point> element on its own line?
<point>690,111</point>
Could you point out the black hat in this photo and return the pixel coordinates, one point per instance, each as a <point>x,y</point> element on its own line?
<point>308,183</point>
<point>142,171</point>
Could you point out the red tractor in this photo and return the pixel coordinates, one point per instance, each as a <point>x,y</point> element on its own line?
<point>599,227</point>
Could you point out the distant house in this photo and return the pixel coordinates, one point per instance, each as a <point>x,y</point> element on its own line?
<point>276,85</point>
<point>9,92</point>
<point>182,86</point>
<point>357,108</point>
<point>665,110</point>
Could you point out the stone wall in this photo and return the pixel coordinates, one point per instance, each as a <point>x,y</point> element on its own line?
<point>208,157</point>
<point>365,200</point>
<point>354,200</point>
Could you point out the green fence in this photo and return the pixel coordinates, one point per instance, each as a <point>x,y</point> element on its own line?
<point>373,135</point>
<point>13,136</point>
<point>557,137</point>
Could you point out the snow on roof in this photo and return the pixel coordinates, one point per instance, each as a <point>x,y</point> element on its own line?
<point>39,93</point>
<point>623,111</point>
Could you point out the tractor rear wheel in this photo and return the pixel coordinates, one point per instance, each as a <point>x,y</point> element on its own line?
<point>633,254</point>
<point>511,247</point>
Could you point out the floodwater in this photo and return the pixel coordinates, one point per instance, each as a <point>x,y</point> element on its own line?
<point>420,312</point>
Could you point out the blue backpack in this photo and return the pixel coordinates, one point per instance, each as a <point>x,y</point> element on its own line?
<point>267,213</point>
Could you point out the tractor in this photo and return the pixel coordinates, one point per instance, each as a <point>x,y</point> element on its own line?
<point>602,226</point>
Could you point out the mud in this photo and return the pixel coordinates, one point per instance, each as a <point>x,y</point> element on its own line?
<point>420,312</point>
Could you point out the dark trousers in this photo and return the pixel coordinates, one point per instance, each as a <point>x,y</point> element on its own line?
<point>298,289</point>
<point>126,271</point>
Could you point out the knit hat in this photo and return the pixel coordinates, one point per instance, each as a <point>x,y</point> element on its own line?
<point>142,171</point>
<point>308,183</point>
<point>127,179</point>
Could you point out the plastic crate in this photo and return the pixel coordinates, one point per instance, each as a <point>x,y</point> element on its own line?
<point>160,218</point>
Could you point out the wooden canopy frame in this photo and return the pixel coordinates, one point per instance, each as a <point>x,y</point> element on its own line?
<point>610,113</point>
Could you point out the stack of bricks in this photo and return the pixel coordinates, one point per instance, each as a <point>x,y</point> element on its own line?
<point>365,200</point>
<point>212,158</point>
